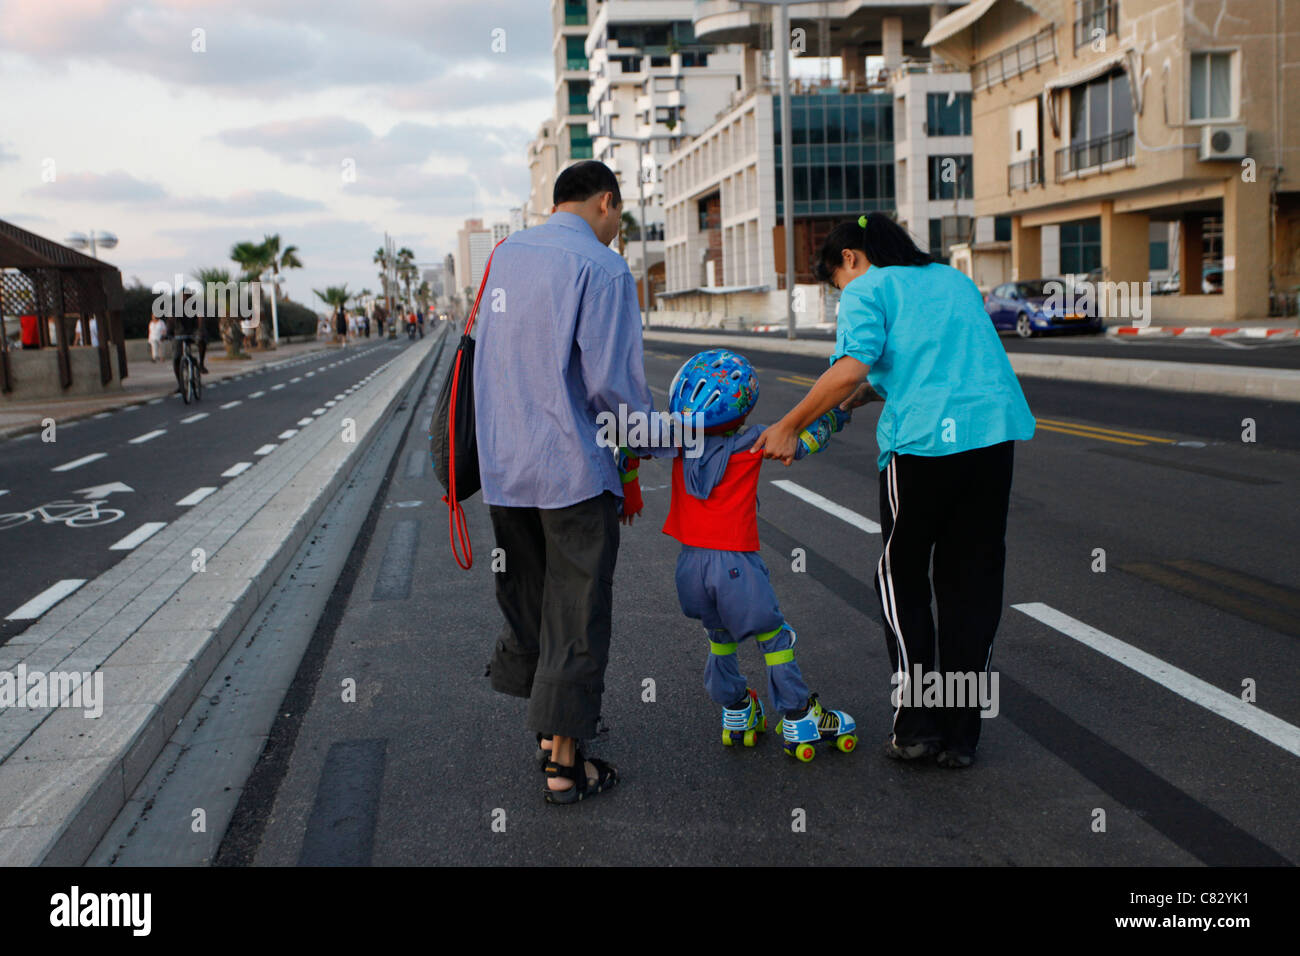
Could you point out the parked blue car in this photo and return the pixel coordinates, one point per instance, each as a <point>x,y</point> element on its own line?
<point>1022,307</point>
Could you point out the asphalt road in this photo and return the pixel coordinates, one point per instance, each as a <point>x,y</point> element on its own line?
<point>73,507</point>
<point>1280,352</point>
<point>1121,738</point>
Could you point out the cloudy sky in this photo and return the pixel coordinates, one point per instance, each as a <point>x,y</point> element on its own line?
<point>118,115</point>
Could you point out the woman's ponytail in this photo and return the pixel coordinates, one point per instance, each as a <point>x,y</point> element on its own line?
<point>883,241</point>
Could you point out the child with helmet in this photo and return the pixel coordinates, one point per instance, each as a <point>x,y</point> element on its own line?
<point>721,580</point>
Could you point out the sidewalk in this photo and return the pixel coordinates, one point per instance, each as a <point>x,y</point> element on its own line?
<point>144,381</point>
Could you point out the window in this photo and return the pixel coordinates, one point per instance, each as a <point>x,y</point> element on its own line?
<point>943,119</point>
<point>1159,257</point>
<point>575,13</point>
<point>1094,15</point>
<point>951,177</point>
<point>946,232</point>
<point>1210,92</point>
<point>575,54</point>
<point>578,90</point>
<point>1001,228</point>
<point>1101,108</point>
<point>1080,246</point>
<point>579,143</point>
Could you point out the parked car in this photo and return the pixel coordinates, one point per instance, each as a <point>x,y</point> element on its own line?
<point>1023,307</point>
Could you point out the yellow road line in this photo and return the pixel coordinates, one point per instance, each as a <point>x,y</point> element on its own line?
<point>1215,597</point>
<point>1106,431</point>
<point>797,381</point>
<point>1242,582</point>
<point>1081,434</point>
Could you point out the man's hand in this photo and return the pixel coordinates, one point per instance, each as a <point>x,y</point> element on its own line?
<point>778,442</point>
<point>862,395</point>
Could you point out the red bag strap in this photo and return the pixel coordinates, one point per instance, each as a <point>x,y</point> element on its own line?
<point>456,528</point>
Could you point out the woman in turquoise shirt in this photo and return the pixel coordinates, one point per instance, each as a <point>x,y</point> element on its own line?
<point>916,331</point>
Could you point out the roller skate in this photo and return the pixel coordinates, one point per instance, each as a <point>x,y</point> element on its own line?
<point>744,724</point>
<point>801,737</point>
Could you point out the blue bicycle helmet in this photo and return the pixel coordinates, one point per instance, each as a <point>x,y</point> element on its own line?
<point>718,383</point>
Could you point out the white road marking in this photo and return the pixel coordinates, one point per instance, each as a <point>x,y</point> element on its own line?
<point>830,507</point>
<point>276,388</point>
<point>154,401</point>
<point>318,411</point>
<point>231,404</point>
<point>331,403</point>
<point>131,408</point>
<point>257,395</point>
<point>1226,705</point>
<point>266,449</point>
<point>198,416</point>
<point>309,374</point>
<point>304,421</point>
<point>102,415</point>
<point>338,398</point>
<point>659,391</point>
<point>295,381</point>
<point>81,461</point>
<point>288,433</point>
<point>195,496</point>
<point>46,599</point>
<point>238,469</point>
<point>139,536</point>
<point>148,436</point>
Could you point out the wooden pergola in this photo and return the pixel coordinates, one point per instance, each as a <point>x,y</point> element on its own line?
<point>54,283</point>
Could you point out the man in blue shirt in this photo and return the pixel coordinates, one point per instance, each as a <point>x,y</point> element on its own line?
<point>559,342</point>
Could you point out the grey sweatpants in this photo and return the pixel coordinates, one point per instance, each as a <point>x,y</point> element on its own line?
<point>556,594</point>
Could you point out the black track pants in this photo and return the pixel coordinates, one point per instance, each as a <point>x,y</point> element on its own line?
<point>953,507</point>
<point>556,593</point>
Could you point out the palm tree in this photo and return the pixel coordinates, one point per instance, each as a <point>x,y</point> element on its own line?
<point>381,259</point>
<point>253,260</point>
<point>406,270</point>
<point>280,259</point>
<point>627,229</point>
<point>232,335</point>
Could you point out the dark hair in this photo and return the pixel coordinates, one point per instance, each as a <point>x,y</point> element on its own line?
<point>583,180</point>
<point>883,241</point>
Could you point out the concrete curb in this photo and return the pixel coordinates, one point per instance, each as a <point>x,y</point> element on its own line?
<point>157,629</point>
<point>1275,384</point>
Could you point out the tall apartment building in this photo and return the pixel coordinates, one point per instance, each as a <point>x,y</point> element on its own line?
<point>652,80</point>
<point>473,244</point>
<point>892,133</point>
<point>499,231</point>
<point>1126,135</point>
<point>563,137</point>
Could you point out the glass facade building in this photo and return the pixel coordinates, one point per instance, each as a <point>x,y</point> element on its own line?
<point>843,152</point>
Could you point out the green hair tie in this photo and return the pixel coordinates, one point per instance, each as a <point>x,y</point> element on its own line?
<point>862,221</point>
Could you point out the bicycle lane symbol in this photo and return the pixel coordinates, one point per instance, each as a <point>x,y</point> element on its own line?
<point>87,513</point>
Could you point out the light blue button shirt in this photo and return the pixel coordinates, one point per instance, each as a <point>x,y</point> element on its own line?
<point>558,340</point>
<point>935,358</point>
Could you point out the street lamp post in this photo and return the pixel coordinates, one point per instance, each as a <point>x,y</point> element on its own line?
<point>782,52</point>
<point>641,142</point>
<point>92,240</point>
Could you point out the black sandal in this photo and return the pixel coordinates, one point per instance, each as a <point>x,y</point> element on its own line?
<point>543,755</point>
<point>606,779</point>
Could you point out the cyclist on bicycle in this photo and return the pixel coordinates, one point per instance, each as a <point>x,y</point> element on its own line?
<point>191,326</point>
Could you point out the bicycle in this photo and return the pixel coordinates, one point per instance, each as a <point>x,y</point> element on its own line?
<point>191,381</point>
<point>71,514</point>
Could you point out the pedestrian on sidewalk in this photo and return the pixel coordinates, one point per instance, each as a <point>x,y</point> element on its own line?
<point>157,332</point>
<point>916,331</point>
<point>565,346</point>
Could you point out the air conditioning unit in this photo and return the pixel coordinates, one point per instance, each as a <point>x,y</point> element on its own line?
<point>1222,142</point>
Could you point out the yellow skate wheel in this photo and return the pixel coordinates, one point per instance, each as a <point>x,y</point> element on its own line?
<point>805,752</point>
<point>726,738</point>
<point>750,737</point>
<point>780,728</point>
<point>847,743</point>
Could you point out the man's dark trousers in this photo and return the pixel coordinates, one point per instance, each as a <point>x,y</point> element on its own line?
<point>556,593</point>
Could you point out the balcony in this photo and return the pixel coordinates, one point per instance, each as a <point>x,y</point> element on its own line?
<point>1014,60</point>
<point>1025,173</point>
<point>1102,18</point>
<point>1094,154</point>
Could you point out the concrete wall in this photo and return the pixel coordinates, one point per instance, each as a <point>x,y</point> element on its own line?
<point>36,374</point>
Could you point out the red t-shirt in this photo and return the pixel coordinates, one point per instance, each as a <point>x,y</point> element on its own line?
<point>728,519</point>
